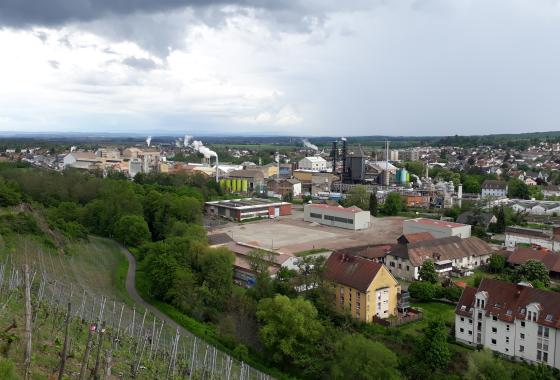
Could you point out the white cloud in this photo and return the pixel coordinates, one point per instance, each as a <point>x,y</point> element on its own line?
<point>402,67</point>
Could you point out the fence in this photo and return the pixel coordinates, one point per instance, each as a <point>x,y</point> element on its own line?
<point>187,356</point>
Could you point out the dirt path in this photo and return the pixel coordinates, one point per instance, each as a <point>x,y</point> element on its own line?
<point>131,289</point>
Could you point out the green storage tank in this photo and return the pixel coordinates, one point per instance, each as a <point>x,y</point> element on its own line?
<point>223,184</point>
<point>238,185</point>
<point>234,186</point>
<point>244,186</point>
<point>228,184</point>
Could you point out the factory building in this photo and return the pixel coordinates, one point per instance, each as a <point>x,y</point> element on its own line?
<point>248,208</point>
<point>314,163</point>
<point>437,228</point>
<point>352,218</point>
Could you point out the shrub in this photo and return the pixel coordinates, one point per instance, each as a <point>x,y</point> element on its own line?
<point>422,291</point>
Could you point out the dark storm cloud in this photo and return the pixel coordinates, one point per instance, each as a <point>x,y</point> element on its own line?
<point>23,13</point>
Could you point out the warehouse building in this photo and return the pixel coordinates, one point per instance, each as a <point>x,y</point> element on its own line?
<point>438,228</point>
<point>248,208</point>
<point>352,218</point>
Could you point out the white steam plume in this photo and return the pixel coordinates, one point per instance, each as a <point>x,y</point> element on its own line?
<point>149,140</point>
<point>309,145</point>
<point>199,147</point>
<point>72,149</point>
<point>186,140</point>
<point>343,138</point>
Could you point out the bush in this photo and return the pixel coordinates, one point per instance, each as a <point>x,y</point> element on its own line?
<point>422,291</point>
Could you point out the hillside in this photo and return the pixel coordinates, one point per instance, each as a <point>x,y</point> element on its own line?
<point>91,276</point>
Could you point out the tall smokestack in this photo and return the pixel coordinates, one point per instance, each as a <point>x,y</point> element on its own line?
<point>344,154</point>
<point>217,170</point>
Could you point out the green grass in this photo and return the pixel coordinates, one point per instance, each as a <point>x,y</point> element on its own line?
<point>312,251</point>
<point>431,310</point>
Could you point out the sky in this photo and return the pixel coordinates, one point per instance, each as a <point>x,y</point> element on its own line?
<point>300,67</point>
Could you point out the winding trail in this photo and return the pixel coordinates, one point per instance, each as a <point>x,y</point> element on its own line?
<point>131,289</point>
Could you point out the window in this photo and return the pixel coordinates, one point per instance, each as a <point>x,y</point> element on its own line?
<point>494,330</point>
<point>470,332</point>
<point>392,264</point>
<point>400,266</point>
<point>545,357</point>
<point>493,341</point>
<point>539,355</point>
<point>546,332</point>
<point>477,302</point>
<point>462,319</point>
<point>521,348</point>
<point>407,268</point>
<point>479,315</point>
<point>507,339</point>
<point>462,330</point>
<point>470,321</point>
<point>317,216</point>
<point>522,336</point>
<point>548,317</point>
<point>522,323</point>
<point>494,318</point>
<point>507,327</point>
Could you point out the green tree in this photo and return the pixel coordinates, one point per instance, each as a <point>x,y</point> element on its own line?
<point>482,365</point>
<point>501,221</point>
<point>434,349</point>
<point>132,230</point>
<point>518,189</point>
<point>535,272</point>
<point>428,272</point>
<point>9,194</point>
<point>415,167</point>
<point>359,358</point>
<point>288,197</point>
<point>289,330</point>
<point>497,263</point>
<point>471,185</point>
<point>422,290</point>
<point>217,275</point>
<point>373,204</point>
<point>357,196</point>
<point>393,204</point>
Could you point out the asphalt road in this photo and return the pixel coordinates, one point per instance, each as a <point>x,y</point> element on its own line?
<point>131,289</point>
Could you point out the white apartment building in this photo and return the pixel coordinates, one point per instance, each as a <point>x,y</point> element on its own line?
<point>515,320</point>
<point>494,189</point>
<point>313,163</point>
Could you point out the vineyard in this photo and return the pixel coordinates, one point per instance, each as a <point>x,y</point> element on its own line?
<point>52,329</point>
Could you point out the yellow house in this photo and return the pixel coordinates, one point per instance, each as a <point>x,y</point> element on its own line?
<point>363,288</point>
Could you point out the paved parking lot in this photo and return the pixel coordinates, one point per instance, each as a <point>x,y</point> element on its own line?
<point>290,234</point>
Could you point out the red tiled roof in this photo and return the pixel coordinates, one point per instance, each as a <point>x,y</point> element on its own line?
<point>437,223</point>
<point>509,301</point>
<point>521,255</point>
<point>351,210</point>
<point>352,271</point>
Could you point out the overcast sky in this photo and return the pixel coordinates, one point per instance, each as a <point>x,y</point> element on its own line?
<point>302,67</point>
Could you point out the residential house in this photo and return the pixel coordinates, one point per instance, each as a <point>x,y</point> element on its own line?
<point>481,219</point>
<point>363,288</point>
<point>449,254</point>
<point>514,320</point>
